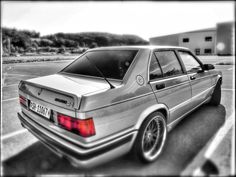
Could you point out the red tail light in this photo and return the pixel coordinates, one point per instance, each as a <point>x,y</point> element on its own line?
<point>22,100</point>
<point>83,127</point>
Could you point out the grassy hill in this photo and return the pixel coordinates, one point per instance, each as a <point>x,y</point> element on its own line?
<point>23,41</point>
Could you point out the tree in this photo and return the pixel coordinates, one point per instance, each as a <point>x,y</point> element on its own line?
<point>62,49</point>
<point>93,45</point>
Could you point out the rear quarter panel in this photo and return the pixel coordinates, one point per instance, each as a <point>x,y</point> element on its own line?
<point>117,110</point>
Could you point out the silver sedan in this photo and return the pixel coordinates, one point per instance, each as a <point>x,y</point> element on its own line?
<point>112,100</point>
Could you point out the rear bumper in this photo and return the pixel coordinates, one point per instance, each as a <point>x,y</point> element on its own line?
<point>78,155</point>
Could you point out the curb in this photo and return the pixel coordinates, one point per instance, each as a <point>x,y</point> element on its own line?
<point>203,163</point>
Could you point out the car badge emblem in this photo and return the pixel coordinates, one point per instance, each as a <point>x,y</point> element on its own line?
<point>140,80</point>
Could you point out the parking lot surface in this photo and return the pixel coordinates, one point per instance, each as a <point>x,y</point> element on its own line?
<point>23,154</point>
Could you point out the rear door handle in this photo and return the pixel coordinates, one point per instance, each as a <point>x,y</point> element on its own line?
<point>192,77</point>
<point>160,86</point>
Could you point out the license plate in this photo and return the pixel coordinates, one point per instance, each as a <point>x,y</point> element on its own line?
<point>40,109</point>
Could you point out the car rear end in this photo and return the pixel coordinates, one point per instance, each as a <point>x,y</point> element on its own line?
<point>53,117</point>
<point>50,110</point>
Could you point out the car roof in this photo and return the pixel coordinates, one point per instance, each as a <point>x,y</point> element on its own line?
<point>151,47</point>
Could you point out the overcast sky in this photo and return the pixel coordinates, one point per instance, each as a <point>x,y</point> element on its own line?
<point>146,19</point>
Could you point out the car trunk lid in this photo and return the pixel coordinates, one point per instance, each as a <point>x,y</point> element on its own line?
<point>62,90</point>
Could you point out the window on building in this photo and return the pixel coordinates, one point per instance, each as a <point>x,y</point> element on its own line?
<point>208,38</point>
<point>207,51</point>
<point>185,39</point>
<point>154,69</point>
<point>197,51</point>
<point>169,63</point>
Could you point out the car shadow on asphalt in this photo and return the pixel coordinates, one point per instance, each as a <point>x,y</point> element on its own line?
<point>182,145</point>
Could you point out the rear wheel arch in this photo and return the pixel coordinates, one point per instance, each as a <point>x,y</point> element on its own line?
<point>162,108</point>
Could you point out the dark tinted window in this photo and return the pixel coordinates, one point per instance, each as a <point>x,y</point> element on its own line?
<point>185,39</point>
<point>169,63</point>
<point>112,63</point>
<point>208,38</point>
<point>154,69</point>
<point>207,51</point>
<point>197,51</point>
<point>190,63</point>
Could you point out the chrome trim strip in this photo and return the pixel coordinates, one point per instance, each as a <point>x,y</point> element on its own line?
<point>149,93</point>
<point>94,145</point>
<point>169,126</point>
<point>199,78</point>
<point>163,79</point>
<point>119,102</point>
<point>166,88</point>
<point>190,100</point>
<point>30,125</point>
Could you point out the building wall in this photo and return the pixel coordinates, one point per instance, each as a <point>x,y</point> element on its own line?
<point>200,43</point>
<point>172,40</point>
<point>225,39</point>
<point>222,42</point>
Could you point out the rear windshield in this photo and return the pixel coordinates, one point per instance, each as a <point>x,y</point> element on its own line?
<point>112,63</point>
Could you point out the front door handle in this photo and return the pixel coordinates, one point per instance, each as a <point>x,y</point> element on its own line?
<point>160,86</point>
<point>192,77</point>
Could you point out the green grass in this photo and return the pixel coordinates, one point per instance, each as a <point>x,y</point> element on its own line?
<point>26,59</point>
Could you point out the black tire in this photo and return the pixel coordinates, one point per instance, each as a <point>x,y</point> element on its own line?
<point>151,138</point>
<point>216,95</point>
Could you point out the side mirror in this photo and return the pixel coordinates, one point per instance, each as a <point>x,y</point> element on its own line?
<point>208,66</point>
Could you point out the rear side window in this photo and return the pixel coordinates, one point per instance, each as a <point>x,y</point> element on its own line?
<point>112,64</point>
<point>154,69</point>
<point>169,63</point>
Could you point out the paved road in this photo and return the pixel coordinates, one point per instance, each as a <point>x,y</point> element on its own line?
<point>24,154</point>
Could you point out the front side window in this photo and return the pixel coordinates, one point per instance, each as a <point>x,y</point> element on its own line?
<point>190,63</point>
<point>112,64</point>
<point>169,63</point>
<point>154,69</point>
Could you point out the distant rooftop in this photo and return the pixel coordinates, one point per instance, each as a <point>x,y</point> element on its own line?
<point>201,30</point>
<point>195,31</point>
<point>138,47</point>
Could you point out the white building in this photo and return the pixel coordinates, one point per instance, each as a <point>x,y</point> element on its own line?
<point>212,41</point>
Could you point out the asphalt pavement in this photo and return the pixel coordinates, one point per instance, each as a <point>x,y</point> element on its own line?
<point>23,154</point>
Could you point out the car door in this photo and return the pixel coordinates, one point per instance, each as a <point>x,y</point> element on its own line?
<point>169,82</point>
<point>200,80</point>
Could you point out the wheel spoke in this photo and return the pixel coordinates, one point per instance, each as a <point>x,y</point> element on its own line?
<point>154,130</point>
<point>151,125</point>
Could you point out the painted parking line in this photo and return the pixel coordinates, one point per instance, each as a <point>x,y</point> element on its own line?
<point>195,167</point>
<point>8,74</point>
<point>233,153</point>
<point>12,134</point>
<point>220,136</point>
<point>11,85</point>
<point>10,99</point>
<point>40,62</point>
<point>227,89</point>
